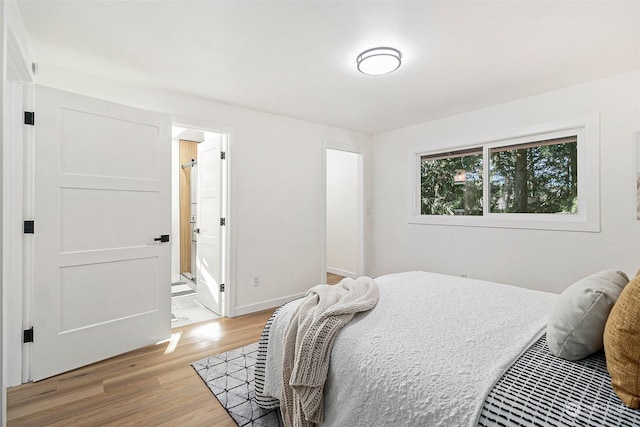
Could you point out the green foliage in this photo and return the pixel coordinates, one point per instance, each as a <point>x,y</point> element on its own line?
<point>543,181</point>
<point>538,179</point>
<point>440,195</point>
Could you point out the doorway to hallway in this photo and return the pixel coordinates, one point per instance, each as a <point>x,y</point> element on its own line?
<point>344,216</point>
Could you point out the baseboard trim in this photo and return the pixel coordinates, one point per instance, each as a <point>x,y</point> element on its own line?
<point>343,273</point>
<point>277,302</point>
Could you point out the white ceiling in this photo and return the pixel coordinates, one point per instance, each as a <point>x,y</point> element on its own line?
<point>297,58</point>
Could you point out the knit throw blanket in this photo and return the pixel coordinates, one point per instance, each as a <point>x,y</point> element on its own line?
<point>308,343</point>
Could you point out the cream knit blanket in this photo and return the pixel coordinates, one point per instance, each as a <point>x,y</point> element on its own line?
<point>308,342</point>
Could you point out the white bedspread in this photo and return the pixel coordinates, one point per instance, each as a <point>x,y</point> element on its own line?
<point>426,355</point>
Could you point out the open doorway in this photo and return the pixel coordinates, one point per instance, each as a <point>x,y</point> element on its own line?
<point>198,216</point>
<point>344,257</point>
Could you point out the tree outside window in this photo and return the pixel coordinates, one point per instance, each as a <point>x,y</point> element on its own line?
<point>539,177</point>
<point>451,183</point>
<point>536,177</point>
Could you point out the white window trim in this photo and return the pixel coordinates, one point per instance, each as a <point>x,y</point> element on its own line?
<point>587,128</point>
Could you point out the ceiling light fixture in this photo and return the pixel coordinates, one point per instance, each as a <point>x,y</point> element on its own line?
<point>379,60</point>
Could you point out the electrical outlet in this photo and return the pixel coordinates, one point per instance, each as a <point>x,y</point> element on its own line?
<point>256,280</point>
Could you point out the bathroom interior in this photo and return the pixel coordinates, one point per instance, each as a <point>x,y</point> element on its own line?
<point>190,303</point>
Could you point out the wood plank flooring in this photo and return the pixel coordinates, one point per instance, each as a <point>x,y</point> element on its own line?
<point>333,279</point>
<point>152,386</point>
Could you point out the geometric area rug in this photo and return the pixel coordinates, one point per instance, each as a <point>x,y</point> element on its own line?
<point>230,377</point>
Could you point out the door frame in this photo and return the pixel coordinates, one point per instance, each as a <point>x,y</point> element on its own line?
<point>361,216</point>
<point>228,265</point>
<point>17,205</point>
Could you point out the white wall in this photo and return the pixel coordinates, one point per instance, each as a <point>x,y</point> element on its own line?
<point>539,259</point>
<point>277,184</point>
<point>342,212</point>
<point>3,56</point>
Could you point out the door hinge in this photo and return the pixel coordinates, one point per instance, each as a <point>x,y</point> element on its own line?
<point>28,227</point>
<point>223,221</point>
<point>27,335</point>
<point>221,287</point>
<point>223,155</point>
<point>29,118</point>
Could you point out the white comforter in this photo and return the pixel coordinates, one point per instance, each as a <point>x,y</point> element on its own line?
<point>426,355</point>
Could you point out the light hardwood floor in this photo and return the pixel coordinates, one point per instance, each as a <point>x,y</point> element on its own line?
<point>333,279</point>
<point>152,386</point>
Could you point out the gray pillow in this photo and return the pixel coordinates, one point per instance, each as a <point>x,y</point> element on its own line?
<point>576,323</point>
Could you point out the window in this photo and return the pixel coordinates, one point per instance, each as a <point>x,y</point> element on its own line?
<point>546,179</point>
<point>538,177</point>
<point>451,183</point>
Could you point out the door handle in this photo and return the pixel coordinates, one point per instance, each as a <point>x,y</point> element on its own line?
<point>163,238</point>
<point>196,230</point>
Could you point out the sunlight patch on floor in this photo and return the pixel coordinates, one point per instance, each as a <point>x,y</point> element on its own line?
<point>173,342</point>
<point>209,331</point>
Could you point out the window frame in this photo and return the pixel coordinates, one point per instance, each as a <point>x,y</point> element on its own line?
<point>587,130</point>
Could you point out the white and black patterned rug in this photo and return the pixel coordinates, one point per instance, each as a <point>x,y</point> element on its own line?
<point>230,377</point>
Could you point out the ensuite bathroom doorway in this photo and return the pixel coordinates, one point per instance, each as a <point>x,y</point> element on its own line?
<point>198,211</point>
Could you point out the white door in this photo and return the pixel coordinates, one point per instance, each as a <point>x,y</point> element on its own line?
<point>102,196</point>
<point>208,246</point>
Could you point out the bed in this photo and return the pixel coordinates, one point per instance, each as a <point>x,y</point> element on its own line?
<point>440,350</point>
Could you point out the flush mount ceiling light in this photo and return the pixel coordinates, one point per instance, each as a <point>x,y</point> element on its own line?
<point>379,60</point>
